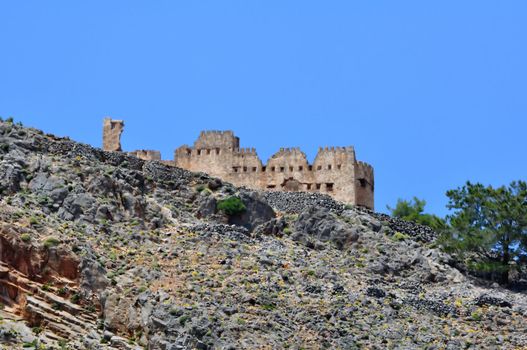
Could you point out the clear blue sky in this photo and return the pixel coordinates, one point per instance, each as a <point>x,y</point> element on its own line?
<point>431,93</point>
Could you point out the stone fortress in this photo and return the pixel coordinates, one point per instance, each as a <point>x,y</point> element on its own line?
<point>335,170</point>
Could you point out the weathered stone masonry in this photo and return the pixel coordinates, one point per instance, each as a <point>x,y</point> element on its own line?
<point>111,137</point>
<point>335,170</point>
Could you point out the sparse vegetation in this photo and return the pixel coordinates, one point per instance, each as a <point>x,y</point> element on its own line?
<point>33,221</point>
<point>51,242</point>
<point>398,236</point>
<point>231,206</point>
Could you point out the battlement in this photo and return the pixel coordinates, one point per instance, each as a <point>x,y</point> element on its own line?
<point>217,139</point>
<point>335,170</point>
<point>364,171</point>
<point>216,132</point>
<point>248,150</point>
<point>336,149</point>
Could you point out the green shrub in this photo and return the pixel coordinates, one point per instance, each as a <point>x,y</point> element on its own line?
<point>25,237</point>
<point>183,319</point>
<point>231,206</point>
<point>33,221</point>
<point>51,242</point>
<point>75,298</point>
<point>399,236</point>
<point>9,120</point>
<point>476,316</point>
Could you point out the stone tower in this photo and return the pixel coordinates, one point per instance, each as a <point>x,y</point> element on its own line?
<point>111,137</point>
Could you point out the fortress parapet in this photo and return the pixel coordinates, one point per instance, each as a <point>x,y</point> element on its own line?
<point>146,154</point>
<point>335,170</point>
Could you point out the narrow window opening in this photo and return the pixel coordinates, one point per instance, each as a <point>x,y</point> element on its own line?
<point>254,169</point>
<point>189,152</point>
<point>310,167</point>
<point>362,182</point>
<point>244,169</point>
<point>208,151</point>
<point>319,167</point>
<point>273,168</point>
<point>339,166</point>
<point>271,186</point>
<point>308,186</point>
<point>318,186</point>
<point>300,168</point>
<point>291,168</point>
<point>235,169</point>
<point>329,187</point>
<point>217,151</point>
<point>199,152</point>
<point>329,167</point>
<point>282,169</point>
<point>264,168</point>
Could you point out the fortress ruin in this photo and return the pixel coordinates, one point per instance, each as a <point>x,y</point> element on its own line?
<point>335,170</point>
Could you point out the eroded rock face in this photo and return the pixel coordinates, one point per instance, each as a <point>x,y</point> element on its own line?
<point>141,258</point>
<point>35,261</point>
<point>320,224</point>
<point>256,213</point>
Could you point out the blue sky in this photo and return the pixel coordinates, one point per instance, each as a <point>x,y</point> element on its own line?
<point>431,93</point>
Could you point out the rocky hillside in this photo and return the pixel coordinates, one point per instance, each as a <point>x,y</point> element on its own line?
<point>104,251</point>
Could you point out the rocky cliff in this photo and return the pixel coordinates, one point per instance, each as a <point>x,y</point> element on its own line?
<point>101,250</point>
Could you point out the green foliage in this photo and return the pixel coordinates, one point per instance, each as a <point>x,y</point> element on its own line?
<point>75,298</point>
<point>25,237</point>
<point>10,120</point>
<point>476,316</point>
<point>488,227</point>
<point>46,287</point>
<point>414,211</point>
<point>183,319</point>
<point>51,242</point>
<point>399,236</point>
<point>268,307</point>
<point>231,206</point>
<point>33,221</point>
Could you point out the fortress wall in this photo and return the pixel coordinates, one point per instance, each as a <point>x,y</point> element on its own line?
<point>334,169</point>
<point>212,160</point>
<point>147,154</point>
<point>245,168</point>
<point>287,169</point>
<point>182,157</point>
<point>364,184</point>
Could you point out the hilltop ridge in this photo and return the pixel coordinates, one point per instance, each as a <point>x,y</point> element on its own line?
<point>102,250</point>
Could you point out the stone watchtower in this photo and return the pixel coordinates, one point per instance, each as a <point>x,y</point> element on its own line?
<point>111,137</point>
